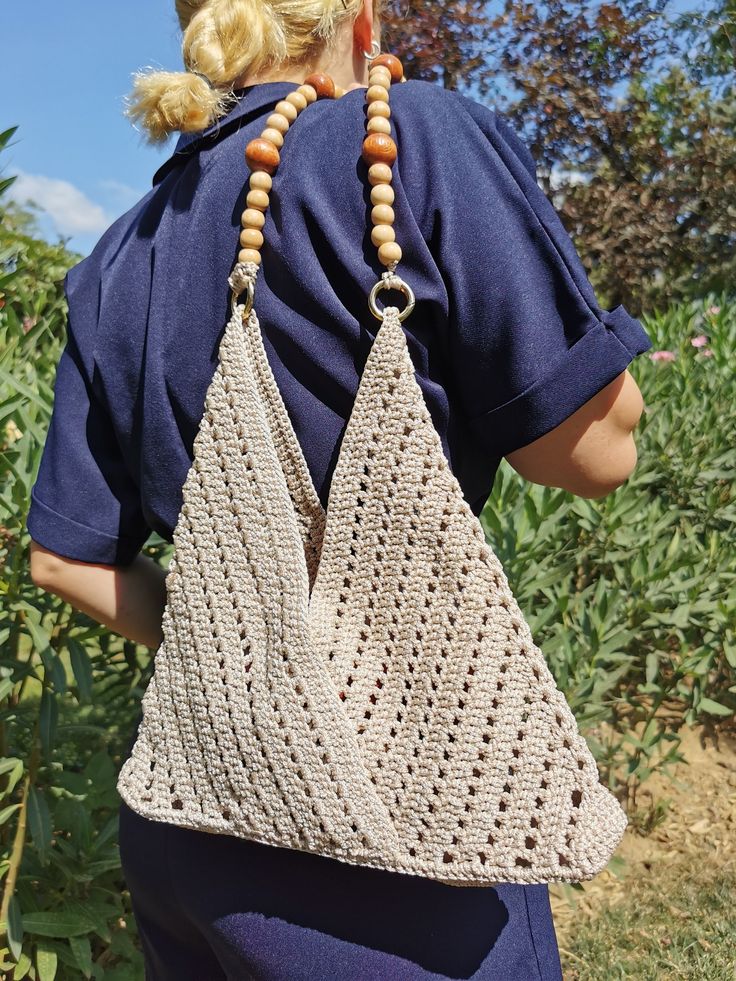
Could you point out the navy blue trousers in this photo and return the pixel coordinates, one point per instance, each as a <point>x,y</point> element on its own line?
<point>211,907</point>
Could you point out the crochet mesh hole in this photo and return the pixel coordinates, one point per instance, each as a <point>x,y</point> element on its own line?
<point>523,862</point>
<point>577,797</point>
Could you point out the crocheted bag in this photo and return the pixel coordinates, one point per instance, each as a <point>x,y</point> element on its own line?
<point>360,682</point>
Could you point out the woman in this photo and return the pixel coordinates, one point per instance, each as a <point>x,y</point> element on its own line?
<point>513,353</point>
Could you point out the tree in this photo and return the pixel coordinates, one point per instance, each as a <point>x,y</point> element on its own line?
<point>629,113</point>
<point>442,42</point>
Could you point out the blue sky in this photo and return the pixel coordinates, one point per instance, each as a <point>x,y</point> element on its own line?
<point>64,72</point>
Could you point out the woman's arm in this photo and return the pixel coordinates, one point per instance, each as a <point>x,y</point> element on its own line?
<point>128,599</point>
<point>593,451</point>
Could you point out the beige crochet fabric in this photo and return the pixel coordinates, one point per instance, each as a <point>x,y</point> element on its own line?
<point>360,684</point>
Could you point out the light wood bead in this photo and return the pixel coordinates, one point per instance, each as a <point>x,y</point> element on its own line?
<point>252,218</point>
<point>380,173</point>
<point>260,181</point>
<point>382,234</point>
<point>389,252</point>
<point>382,194</point>
<point>257,199</point>
<point>309,92</point>
<point>378,108</point>
<point>277,121</point>
<point>273,136</point>
<point>339,91</point>
<point>380,76</point>
<point>378,125</point>
<point>376,93</point>
<point>251,238</point>
<point>249,255</point>
<point>297,100</point>
<point>383,214</point>
<point>286,109</point>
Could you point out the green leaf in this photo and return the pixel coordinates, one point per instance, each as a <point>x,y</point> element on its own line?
<point>713,708</point>
<point>82,668</point>
<point>82,950</point>
<point>15,928</point>
<point>14,767</point>
<point>48,720</point>
<point>47,961</point>
<point>7,811</point>
<point>62,925</point>
<point>39,823</point>
<point>23,967</point>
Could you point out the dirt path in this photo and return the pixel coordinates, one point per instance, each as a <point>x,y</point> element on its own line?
<point>698,826</point>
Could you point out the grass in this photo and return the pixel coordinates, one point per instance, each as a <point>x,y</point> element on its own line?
<point>678,924</point>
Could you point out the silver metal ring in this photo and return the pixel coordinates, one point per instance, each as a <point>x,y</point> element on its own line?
<point>248,306</point>
<point>402,287</point>
<point>374,52</point>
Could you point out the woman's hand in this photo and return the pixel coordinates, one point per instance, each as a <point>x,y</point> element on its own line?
<point>129,599</point>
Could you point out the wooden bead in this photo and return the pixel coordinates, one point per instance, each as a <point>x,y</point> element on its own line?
<point>381,234</point>
<point>376,93</point>
<point>378,109</point>
<point>273,136</point>
<point>382,214</point>
<point>382,194</point>
<point>297,100</point>
<point>279,122</point>
<point>378,125</point>
<point>380,173</point>
<point>308,92</point>
<point>249,255</point>
<point>260,181</point>
<point>322,85</point>
<point>262,155</point>
<point>286,109</point>
<point>377,148</point>
<point>389,252</point>
<point>339,91</point>
<point>380,76</point>
<point>251,238</point>
<point>396,69</point>
<point>252,218</point>
<point>257,199</point>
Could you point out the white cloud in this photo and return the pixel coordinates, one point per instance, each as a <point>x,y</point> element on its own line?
<point>71,211</point>
<point>123,194</point>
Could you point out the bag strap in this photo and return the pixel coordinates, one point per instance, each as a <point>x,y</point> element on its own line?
<point>379,153</point>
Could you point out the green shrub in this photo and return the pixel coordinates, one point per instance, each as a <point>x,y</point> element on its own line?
<point>632,596</point>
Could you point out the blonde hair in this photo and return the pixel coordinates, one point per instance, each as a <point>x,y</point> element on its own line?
<point>222,40</point>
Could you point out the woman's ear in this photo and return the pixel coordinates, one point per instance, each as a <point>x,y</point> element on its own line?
<point>363,28</point>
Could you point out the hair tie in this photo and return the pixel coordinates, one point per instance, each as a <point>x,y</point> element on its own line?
<point>210,83</point>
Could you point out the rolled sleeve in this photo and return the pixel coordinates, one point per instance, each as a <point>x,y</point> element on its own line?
<point>84,502</point>
<point>595,360</point>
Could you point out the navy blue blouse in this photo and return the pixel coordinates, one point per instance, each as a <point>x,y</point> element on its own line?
<point>507,337</point>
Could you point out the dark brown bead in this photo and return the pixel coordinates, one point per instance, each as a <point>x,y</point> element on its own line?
<point>260,154</point>
<point>396,69</point>
<point>322,85</point>
<point>379,148</point>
